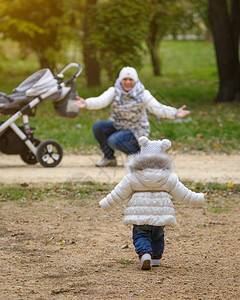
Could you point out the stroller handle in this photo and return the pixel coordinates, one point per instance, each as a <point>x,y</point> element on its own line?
<point>67,67</point>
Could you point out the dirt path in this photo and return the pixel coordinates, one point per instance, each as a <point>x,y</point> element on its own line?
<point>57,249</point>
<point>203,168</point>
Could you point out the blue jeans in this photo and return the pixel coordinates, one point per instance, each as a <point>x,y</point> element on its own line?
<point>148,239</point>
<point>110,139</point>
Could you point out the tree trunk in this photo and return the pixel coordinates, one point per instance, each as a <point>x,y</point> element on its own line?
<point>225,28</point>
<point>156,63</point>
<point>153,43</point>
<point>92,67</point>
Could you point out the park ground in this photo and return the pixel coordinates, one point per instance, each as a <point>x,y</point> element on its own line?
<point>64,247</point>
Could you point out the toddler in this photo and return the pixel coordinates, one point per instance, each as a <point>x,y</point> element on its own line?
<point>148,187</point>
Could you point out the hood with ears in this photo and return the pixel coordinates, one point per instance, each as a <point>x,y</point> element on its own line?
<point>151,170</point>
<point>140,162</point>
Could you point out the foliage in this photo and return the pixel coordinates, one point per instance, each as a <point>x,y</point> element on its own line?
<point>172,16</point>
<point>118,28</point>
<point>201,13</point>
<point>169,17</point>
<point>38,25</point>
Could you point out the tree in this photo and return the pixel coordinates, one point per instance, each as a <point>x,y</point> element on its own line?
<point>166,16</point>
<point>118,29</point>
<point>224,18</point>
<point>38,25</point>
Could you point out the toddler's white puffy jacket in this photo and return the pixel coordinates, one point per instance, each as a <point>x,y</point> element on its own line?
<point>148,188</point>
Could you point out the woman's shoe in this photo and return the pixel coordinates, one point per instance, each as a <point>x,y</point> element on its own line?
<point>105,162</point>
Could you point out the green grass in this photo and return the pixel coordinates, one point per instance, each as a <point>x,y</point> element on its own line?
<point>218,197</point>
<point>219,210</point>
<point>189,76</point>
<point>26,194</point>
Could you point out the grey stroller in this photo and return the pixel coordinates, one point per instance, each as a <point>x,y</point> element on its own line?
<point>39,87</point>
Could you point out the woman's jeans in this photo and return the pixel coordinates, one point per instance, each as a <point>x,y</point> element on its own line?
<point>110,139</point>
<point>148,239</point>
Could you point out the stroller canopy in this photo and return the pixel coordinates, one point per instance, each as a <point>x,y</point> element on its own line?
<point>37,84</point>
<point>43,83</point>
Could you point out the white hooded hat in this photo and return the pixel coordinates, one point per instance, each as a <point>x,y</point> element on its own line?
<point>128,72</point>
<point>153,147</point>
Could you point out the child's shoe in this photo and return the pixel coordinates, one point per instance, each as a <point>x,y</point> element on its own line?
<point>155,262</point>
<point>146,261</point>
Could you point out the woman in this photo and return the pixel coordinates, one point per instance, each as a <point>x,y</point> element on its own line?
<point>128,119</point>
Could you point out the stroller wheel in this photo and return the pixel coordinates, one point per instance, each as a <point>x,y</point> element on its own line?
<point>49,153</point>
<point>28,157</point>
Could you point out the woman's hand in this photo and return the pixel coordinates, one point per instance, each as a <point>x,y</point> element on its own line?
<point>81,103</point>
<point>181,113</point>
